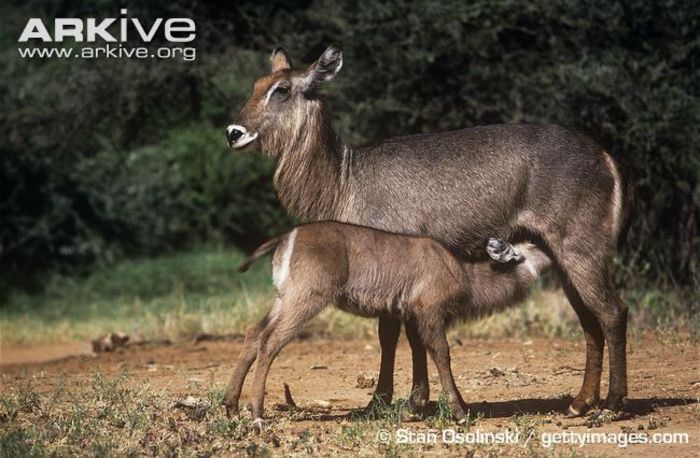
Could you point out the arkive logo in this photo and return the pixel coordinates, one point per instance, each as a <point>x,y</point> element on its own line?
<point>176,30</point>
<point>120,30</point>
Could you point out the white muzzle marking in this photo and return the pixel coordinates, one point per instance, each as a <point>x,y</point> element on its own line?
<point>244,139</point>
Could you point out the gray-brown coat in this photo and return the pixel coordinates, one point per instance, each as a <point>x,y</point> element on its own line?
<point>373,273</point>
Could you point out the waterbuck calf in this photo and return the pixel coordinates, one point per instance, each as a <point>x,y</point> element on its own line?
<point>372,273</point>
<point>552,185</point>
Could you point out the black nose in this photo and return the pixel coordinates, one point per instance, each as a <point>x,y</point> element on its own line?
<point>233,135</point>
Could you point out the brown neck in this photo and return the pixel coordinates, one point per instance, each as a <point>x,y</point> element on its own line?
<point>312,168</point>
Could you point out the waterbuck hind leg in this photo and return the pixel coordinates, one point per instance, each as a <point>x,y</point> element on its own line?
<point>245,360</point>
<point>589,395</point>
<point>389,330</point>
<point>615,331</point>
<point>597,293</point>
<point>420,391</point>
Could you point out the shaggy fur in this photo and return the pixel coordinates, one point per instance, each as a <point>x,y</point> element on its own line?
<point>543,183</point>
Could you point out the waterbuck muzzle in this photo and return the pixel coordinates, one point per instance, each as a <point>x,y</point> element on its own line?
<point>238,136</point>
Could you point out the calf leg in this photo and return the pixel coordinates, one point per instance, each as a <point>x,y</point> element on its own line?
<point>420,391</point>
<point>435,339</point>
<point>245,361</point>
<point>388,330</point>
<point>287,323</point>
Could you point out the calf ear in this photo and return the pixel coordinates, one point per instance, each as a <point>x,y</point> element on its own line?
<point>279,60</point>
<point>325,68</point>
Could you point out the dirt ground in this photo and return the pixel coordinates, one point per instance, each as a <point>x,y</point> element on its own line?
<point>521,385</point>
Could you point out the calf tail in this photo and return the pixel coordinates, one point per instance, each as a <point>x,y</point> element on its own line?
<point>262,250</point>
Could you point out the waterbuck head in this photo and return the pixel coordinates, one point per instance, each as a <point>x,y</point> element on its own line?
<point>284,112</point>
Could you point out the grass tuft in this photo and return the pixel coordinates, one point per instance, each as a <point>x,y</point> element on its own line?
<point>181,295</point>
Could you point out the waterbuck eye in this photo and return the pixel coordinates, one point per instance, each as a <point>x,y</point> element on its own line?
<point>278,93</point>
<point>281,91</point>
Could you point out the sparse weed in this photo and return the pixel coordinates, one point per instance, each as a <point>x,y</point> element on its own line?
<point>9,408</point>
<point>380,410</point>
<point>216,397</point>
<point>17,442</point>
<point>443,414</point>
<point>229,428</point>
<point>28,399</point>
<point>353,433</point>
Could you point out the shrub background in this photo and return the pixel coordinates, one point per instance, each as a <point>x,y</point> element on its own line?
<point>102,160</point>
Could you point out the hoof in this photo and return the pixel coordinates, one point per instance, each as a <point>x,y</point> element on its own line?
<point>417,407</point>
<point>231,411</point>
<point>259,425</point>
<point>580,408</point>
<point>410,417</point>
<point>615,404</point>
<point>377,402</point>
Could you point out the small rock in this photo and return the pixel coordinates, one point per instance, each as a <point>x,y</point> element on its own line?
<point>110,342</point>
<point>366,381</point>
<point>189,401</point>
<point>272,439</point>
<point>195,408</point>
<point>496,372</point>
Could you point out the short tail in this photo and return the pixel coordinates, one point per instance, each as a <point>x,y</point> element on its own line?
<point>262,250</point>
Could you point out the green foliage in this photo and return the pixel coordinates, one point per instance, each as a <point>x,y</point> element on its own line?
<point>112,158</point>
<point>172,296</point>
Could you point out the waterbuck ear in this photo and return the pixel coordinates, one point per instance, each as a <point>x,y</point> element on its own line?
<point>279,60</point>
<point>326,67</point>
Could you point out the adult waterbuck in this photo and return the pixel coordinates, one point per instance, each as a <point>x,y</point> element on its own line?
<point>543,183</point>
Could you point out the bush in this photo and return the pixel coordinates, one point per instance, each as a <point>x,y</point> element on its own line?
<point>111,158</point>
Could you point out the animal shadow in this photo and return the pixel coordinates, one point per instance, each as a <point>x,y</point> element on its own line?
<point>538,406</point>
